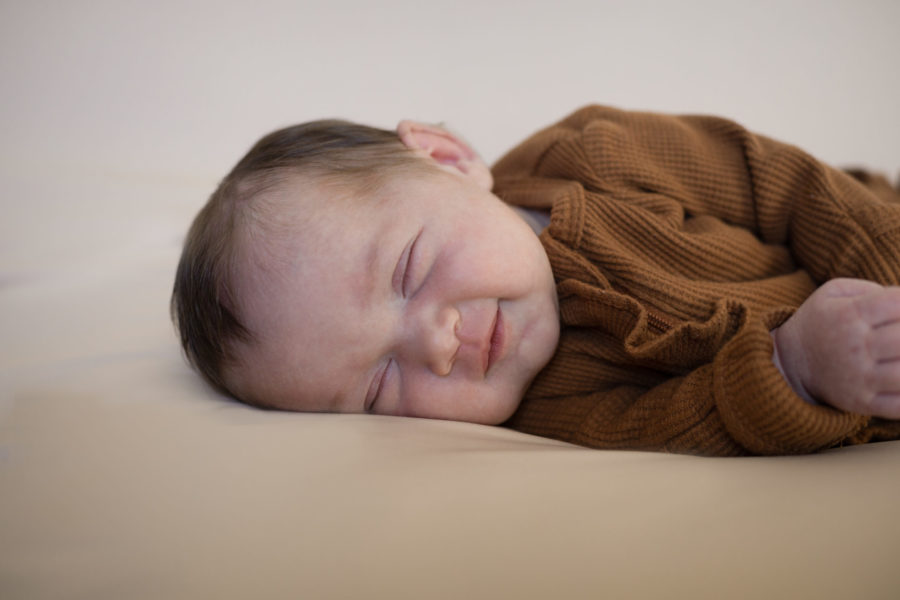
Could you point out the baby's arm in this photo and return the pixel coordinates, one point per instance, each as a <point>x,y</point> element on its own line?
<point>842,348</point>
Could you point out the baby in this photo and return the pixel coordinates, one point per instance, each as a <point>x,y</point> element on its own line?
<point>646,281</point>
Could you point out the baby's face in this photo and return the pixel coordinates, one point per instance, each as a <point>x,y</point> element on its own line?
<point>430,298</point>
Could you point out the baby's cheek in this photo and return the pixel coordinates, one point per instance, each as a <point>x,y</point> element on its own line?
<point>420,396</point>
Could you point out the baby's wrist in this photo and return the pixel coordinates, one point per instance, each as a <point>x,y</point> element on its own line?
<point>789,374</point>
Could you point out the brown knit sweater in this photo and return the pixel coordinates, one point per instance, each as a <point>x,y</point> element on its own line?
<point>678,244</point>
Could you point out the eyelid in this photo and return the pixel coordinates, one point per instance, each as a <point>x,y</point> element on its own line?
<point>400,278</point>
<point>376,387</point>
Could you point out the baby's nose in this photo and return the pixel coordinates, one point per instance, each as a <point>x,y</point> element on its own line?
<point>438,343</point>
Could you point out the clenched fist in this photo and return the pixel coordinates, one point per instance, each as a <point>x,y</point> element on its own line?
<point>842,347</point>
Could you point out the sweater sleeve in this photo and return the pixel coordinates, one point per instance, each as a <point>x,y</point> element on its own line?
<point>702,388</point>
<point>833,225</point>
<point>710,387</point>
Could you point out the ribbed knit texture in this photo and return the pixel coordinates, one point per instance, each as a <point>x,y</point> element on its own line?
<point>678,244</point>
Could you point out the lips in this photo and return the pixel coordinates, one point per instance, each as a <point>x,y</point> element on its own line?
<point>497,341</point>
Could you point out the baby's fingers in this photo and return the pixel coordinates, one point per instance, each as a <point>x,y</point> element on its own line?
<point>880,308</point>
<point>884,342</point>
<point>886,405</point>
<point>882,398</point>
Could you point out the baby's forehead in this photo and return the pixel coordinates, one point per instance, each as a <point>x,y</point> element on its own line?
<point>293,209</point>
<point>305,207</point>
<point>301,200</point>
<point>300,221</point>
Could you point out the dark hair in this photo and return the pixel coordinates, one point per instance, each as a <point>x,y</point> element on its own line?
<point>204,308</point>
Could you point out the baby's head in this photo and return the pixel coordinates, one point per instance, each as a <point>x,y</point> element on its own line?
<point>344,268</point>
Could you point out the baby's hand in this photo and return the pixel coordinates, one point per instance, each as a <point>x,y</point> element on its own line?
<point>842,347</point>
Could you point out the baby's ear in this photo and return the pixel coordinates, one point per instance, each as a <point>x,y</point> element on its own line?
<point>447,150</point>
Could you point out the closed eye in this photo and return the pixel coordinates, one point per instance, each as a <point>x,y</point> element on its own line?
<point>402,272</point>
<point>375,388</point>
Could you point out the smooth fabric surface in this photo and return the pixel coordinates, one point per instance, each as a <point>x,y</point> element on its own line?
<point>123,476</point>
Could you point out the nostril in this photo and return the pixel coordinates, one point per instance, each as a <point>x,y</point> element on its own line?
<point>448,366</point>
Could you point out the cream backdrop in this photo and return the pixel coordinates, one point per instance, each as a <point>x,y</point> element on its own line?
<point>123,476</point>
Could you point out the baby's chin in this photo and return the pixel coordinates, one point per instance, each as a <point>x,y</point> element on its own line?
<point>505,407</point>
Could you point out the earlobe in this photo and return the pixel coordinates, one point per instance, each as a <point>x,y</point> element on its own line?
<point>447,150</point>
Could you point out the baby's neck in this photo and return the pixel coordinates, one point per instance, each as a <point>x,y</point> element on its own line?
<point>536,219</point>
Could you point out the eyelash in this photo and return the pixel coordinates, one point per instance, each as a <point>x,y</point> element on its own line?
<point>380,385</point>
<point>407,267</point>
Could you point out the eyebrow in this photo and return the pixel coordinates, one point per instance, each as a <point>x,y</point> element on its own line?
<point>341,400</point>
<point>334,403</point>
<point>368,276</point>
